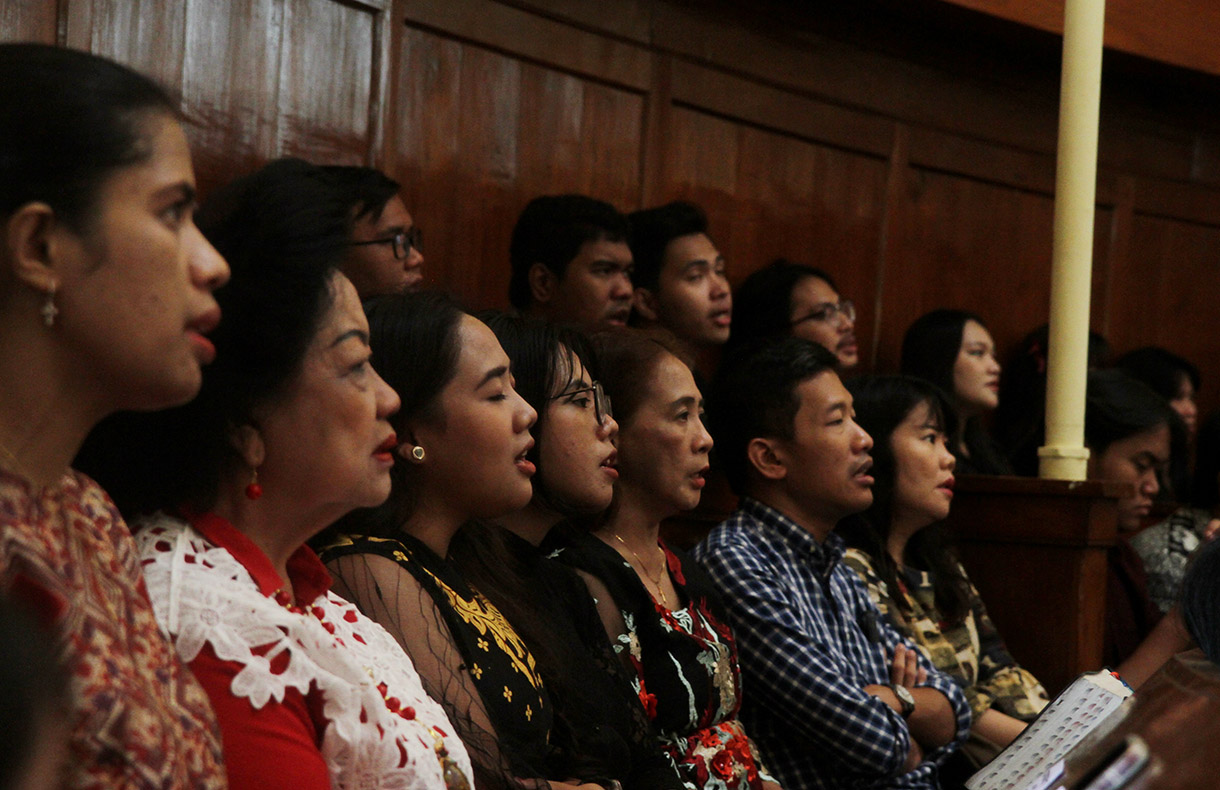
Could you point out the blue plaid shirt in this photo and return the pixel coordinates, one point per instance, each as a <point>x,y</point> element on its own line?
<point>809,640</point>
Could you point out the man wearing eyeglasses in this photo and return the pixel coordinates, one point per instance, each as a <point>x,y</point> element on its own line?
<point>384,253</point>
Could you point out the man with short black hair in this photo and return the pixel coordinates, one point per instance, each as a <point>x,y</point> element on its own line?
<point>385,254</point>
<point>680,276</point>
<point>836,698</point>
<point>571,263</point>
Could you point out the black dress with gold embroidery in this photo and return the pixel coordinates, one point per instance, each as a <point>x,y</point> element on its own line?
<point>487,653</point>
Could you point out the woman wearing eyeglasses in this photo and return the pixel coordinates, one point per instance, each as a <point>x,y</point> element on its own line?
<point>656,605</point>
<point>787,298</point>
<point>546,601</point>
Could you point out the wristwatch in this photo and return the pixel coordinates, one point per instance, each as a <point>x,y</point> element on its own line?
<point>904,699</point>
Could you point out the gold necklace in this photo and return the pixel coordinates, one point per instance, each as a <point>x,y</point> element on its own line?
<point>655,582</point>
<point>11,461</point>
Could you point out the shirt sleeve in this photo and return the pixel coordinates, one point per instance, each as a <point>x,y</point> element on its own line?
<point>795,675</point>
<point>272,746</point>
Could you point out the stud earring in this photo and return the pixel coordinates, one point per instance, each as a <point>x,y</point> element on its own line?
<point>49,310</point>
<point>254,490</point>
<point>417,453</point>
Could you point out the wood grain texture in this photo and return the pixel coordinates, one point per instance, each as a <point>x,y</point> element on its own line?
<point>29,20</point>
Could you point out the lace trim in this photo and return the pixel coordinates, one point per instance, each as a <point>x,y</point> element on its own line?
<point>202,595</point>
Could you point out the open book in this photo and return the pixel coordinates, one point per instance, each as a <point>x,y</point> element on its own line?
<point>1035,760</point>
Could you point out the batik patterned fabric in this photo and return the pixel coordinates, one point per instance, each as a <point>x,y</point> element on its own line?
<point>1166,549</point>
<point>138,718</point>
<point>685,665</point>
<point>971,651</point>
<point>222,602</point>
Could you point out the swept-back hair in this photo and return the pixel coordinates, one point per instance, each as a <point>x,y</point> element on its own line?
<point>551,230</point>
<point>755,396</point>
<point>70,120</point>
<point>651,232</point>
<point>283,237</point>
<point>882,404</point>
<point>1118,406</point>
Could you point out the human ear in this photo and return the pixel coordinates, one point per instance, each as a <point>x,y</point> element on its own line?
<point>645,303</point>
<point>248,442</point>
<point>766,459</point>
<point>32,244</point>
<point>542,283</point>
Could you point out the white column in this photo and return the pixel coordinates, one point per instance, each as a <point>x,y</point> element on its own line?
<point>1064,456</point>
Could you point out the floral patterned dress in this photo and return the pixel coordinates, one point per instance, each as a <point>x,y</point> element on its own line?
<point>684,661</point>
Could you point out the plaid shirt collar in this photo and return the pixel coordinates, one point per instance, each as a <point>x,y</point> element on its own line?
<point>820,557</point>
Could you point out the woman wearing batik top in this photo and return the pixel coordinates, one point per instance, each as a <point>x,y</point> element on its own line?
<point>105,298</point>
<point>895,547</point>
<point>656,606</point>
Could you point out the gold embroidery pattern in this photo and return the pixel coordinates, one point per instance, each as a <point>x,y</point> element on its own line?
<point>508,694</point>
<point>480,613</point>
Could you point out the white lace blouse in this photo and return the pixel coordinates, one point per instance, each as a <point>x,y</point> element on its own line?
<point>378,727</point>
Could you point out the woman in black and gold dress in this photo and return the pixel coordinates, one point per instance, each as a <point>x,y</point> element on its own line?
<point>463,435</point>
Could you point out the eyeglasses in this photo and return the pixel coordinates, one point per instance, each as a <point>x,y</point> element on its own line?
<point>829,311</point>
<point>404,241</point>
<point>601,401</point>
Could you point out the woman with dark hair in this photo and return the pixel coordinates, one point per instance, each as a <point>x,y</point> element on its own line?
<point>105,300</point>
<point>547,602</point>
<point>1126,428</point>
<point>656,605</point>
<point>1168,375</point>
<point>1166,548</point>
<point>953,350</point>
<point>464,434</point>
<point>898,548</point>
<point>290,432</point>
<point>787,298</point>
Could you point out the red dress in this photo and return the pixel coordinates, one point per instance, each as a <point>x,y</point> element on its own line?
<point>138,717</point>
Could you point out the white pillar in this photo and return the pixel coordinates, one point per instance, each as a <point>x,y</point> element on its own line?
<point>1064,456</point>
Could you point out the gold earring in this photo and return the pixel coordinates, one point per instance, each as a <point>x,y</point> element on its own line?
<point>49,310</point>
<point>417,453</point>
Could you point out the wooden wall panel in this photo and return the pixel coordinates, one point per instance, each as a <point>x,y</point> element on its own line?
<point>28,20</point>
<point>484,134</point>
<point>992,257</point>
<point>1169,295</point>
<point>327,82</point>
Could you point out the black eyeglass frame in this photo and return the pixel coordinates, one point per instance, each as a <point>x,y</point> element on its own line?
<point>602,409</point>
<point>403,242</point>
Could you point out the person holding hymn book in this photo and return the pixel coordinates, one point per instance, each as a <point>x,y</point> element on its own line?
<point>898,549</point>
<point>838,698</point>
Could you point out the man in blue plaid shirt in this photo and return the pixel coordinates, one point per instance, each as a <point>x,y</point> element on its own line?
<point>833,696</point>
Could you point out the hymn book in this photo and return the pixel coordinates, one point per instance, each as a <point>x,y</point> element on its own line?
<point>1092,704</point>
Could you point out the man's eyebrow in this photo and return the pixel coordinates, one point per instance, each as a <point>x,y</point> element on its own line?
<point>185,192</point>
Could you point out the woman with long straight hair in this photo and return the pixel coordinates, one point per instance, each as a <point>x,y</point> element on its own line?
<point>898,548</point>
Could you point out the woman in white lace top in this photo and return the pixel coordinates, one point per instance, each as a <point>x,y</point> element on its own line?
<point>289,433</point>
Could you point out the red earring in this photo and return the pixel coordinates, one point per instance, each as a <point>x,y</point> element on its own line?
<point>254,490</point>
